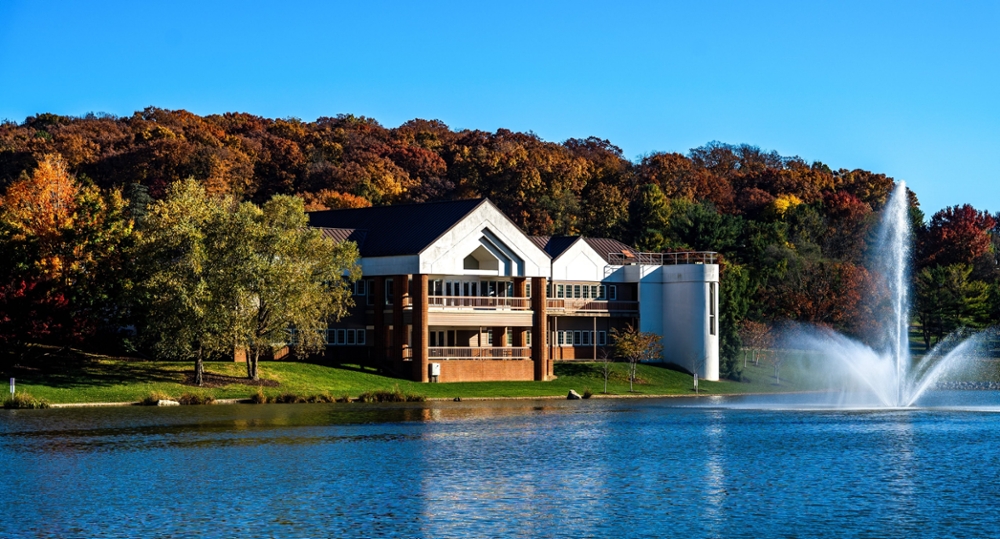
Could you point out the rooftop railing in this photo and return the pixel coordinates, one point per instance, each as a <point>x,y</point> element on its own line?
<point>663,259</point>
<point>472,352</point>
<point>566,306</point>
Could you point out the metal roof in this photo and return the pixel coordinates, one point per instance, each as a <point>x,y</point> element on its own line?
<point>404,229</point>
<point>556,245</point>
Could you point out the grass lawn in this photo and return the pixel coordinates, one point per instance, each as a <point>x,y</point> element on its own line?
<point>119,380</point>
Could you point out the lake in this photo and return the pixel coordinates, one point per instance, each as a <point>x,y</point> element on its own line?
<point>710,467</point>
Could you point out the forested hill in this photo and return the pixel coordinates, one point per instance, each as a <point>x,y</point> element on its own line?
<point>794,235</point>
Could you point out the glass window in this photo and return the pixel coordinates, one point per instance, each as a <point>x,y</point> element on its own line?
<point>612,292</point>
<point>602,338</point>
<point>593,291</point>
<point>528,337</point>
<point>601,291</point>
<point>586,338</point>
<point>527,290</point>
<point>576,338</point>
<point>559,291</point>
<point>576,291</point>
<point>361,336</point>
<point>350,336</point>
<point>586,292</point>
<point>489,336</point>
<point>388,291</point>
<point>341,336</point>
<point>371,292</point>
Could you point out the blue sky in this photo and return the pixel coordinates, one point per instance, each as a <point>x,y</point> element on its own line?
<point>905,88</point>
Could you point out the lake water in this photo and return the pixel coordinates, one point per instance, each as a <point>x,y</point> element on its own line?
<point>598,468</point>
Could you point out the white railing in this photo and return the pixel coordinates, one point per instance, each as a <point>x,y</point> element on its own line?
<point>591,306</point>
<point>478,302</point>
<point>663,259</point>
<point>474,352</point>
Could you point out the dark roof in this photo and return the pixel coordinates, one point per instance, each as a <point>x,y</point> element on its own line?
<point>404,229</point>
<point>556,245</point>
<point>345,234</point>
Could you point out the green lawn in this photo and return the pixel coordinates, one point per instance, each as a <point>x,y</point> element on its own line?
<point>118,380</point>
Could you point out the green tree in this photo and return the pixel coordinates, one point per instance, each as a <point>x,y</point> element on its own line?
<point>947,299</point>
<point>179,289</point>
<point>650,218</point>
<point>290,279</point>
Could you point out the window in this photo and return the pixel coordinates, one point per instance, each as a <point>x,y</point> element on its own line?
<point>577,339</point>
<point>576,291</point>
<point>593,291</point>
<point>510,289</point>
<point>560,289</point>
<point>489,337</point>
<point>527,337</point>
<point>361,337</point>
<point>437,287</point>
<point>447,289</point>
<point>388,291</point>
<point>527,290</point>
<point>612,292</point>
<point>586,292</point>
<point>359,288</point>
<point>350,336</point>
<point>341,336</point>
<point>602,338</point>
<point>711,309</point>
<point>370,284</point>
<point>601,292</point>
<point>559,338</point>
<point>510,336</point>
<point>586,338</point>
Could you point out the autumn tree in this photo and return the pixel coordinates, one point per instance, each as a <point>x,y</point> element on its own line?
<point>635,347</point>
<point>64,261</point>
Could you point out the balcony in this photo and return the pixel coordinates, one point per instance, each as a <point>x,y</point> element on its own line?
<point>478,303</point>
<point>591,306</point>
<point>444,353</point>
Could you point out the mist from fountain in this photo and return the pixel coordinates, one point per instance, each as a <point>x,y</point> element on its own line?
<point>885,377</point>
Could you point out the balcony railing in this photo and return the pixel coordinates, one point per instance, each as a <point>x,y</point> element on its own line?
<point>591,306</point>
<point>478,302</point>
<point>437,353</point>
<point>663,259</point>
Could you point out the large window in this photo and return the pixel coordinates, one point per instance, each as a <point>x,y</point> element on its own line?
<point>712,318</point>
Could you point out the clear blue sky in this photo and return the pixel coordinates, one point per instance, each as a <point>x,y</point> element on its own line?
<point>911,89</point>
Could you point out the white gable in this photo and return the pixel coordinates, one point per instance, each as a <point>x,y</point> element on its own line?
<point>484,242</point>
<point>579,262</point>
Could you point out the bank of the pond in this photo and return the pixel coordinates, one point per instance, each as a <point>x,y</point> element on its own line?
<point>113,381</point>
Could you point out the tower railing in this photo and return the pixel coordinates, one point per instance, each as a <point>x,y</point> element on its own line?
<point>663,259</point>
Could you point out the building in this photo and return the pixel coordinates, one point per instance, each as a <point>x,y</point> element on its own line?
<point>455,291</point>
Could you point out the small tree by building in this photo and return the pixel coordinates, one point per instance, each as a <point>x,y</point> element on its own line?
<point>635,347</point>
<point>756,337</point>
<point>606,362</point>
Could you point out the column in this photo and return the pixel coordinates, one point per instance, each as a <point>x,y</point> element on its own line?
<point>419,294</point>
<point>381,338</point>
<point>520,337</point>
<point>539,329</point>
<point>399,289</point>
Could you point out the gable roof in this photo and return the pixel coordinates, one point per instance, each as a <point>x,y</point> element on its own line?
<point>557,245</point>
<point>553,245</point>
<point>404,229</point>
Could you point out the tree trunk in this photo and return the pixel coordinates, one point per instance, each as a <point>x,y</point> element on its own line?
<point>199,369</point>
<point>253,368</point>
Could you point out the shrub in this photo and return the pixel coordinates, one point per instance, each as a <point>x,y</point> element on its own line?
<point>344,398</point>
<point>24,401</point>
<point>587,393</point>
<point>289,398</point>
<point>192,398</point>
<point>259,397</point>
<point>154,398</point>
<point>390,395</point>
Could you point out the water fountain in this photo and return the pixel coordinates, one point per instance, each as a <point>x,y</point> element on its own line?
<point>885,376</point>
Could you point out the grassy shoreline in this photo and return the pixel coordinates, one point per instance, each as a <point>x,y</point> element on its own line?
<point>128,381</point>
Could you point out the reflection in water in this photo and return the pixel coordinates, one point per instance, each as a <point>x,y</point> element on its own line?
<point>646,468</point>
